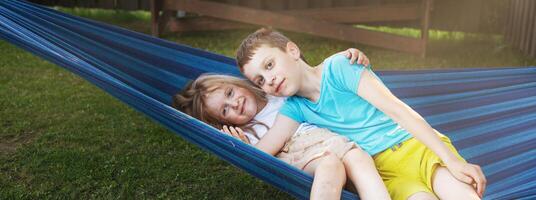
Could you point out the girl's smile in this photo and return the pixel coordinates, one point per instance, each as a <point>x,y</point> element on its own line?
<point>232,104</point>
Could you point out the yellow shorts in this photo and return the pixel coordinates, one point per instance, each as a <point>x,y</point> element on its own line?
<point>407,168</point>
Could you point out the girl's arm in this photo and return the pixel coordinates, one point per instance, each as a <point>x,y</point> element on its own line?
<point>376,93</point>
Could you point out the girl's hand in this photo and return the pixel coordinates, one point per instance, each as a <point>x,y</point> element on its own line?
<point>355,54</point>
<point>470,174</point>
<point>235,132</point>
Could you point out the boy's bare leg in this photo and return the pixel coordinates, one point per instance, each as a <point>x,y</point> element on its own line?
<point>362,172</point>
<point>329,177</point>
<point>448,187</point>
<point>422,196</point>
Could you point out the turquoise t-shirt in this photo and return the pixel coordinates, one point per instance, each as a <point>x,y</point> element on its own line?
<point>342,111</point>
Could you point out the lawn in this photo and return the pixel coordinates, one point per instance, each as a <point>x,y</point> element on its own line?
<point>63,138</point>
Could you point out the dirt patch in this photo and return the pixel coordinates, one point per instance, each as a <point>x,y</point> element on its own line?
<point>10,144</point>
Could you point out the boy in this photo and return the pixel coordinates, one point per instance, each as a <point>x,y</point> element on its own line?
<point>413,159</point>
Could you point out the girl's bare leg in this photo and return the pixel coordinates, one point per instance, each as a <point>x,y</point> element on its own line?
<point>362,172</point>
<point>329,177</point>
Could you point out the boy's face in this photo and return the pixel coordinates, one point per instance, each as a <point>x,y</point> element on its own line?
<point>275,71</point>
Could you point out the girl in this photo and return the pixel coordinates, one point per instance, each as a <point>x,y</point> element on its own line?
<point>329,157</point>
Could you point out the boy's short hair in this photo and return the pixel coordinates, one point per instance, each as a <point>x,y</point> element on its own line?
<point>263,36</point>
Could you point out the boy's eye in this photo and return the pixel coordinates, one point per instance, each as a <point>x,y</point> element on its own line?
<point>270,65</point>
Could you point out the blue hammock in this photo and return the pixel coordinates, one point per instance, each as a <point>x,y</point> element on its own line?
<point>490,114</point>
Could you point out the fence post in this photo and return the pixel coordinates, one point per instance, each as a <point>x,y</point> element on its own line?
<point>156,7</point>
<point>425,25</point>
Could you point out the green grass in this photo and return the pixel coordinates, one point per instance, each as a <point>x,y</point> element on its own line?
<point>63,138</point>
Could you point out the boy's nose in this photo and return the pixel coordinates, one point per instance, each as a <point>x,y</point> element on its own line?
<point>272,81</point>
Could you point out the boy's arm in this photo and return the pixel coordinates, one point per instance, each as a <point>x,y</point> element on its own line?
<point>376,93</point>
<point>276,137</point>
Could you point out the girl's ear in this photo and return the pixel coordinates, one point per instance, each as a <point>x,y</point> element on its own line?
<point>293,50</point>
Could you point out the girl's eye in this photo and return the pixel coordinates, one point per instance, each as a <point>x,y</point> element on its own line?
<point>224,112</point>
<point>230,92</point>
<point>260,81</point>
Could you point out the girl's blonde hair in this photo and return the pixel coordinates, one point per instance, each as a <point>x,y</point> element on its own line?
<point>191,100</point>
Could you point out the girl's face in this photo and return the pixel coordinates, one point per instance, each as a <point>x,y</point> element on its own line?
<point>232,104</point>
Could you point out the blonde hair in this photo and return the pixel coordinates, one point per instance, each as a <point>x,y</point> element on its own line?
<point>191,100</point>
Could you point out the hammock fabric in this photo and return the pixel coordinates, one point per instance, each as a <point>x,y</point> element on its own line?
<point>490,114</point>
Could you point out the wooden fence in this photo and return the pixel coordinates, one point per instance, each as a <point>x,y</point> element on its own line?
<point>105,4</point>
<point>452,15</point>
<point>520,29</point>
<point>329,21</point>
<point>488,16</point>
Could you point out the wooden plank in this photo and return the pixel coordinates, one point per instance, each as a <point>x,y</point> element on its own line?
<point>528,31</point>
<point>530,34</point>
<point>127,4</point>
<point>156,7</point>
<point>526,22</point>
<point>292,23</point>
<point>523,24</point>
<point>522,19</point>
<point>87,4</point>
<point>533,48</point>
<point>257,4</point>
<point>66,3</point>
<point>44,2</point>
<point>372,2</point>
<point>507,32</point>
<point>166,17</point>
<point>399,12</point>
<point>275,5</point>
<point>233,2</point>
<point>106,4</point>
<point>513,25</point>
<point>519,23</point>
<point>425,24</point>
<point>470,15</point>
<point>516,26</point>
<point>320,3</point>
<point>144,5</point>
<point>344,3</point>
<point>298,4</point>
<point>204,24</point>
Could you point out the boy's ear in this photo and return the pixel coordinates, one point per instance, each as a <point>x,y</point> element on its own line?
<point>293,50</point>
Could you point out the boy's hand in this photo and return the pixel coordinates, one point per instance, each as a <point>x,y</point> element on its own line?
<point>470,174</point>
<point>354,54</point>
<point>235,132</point>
